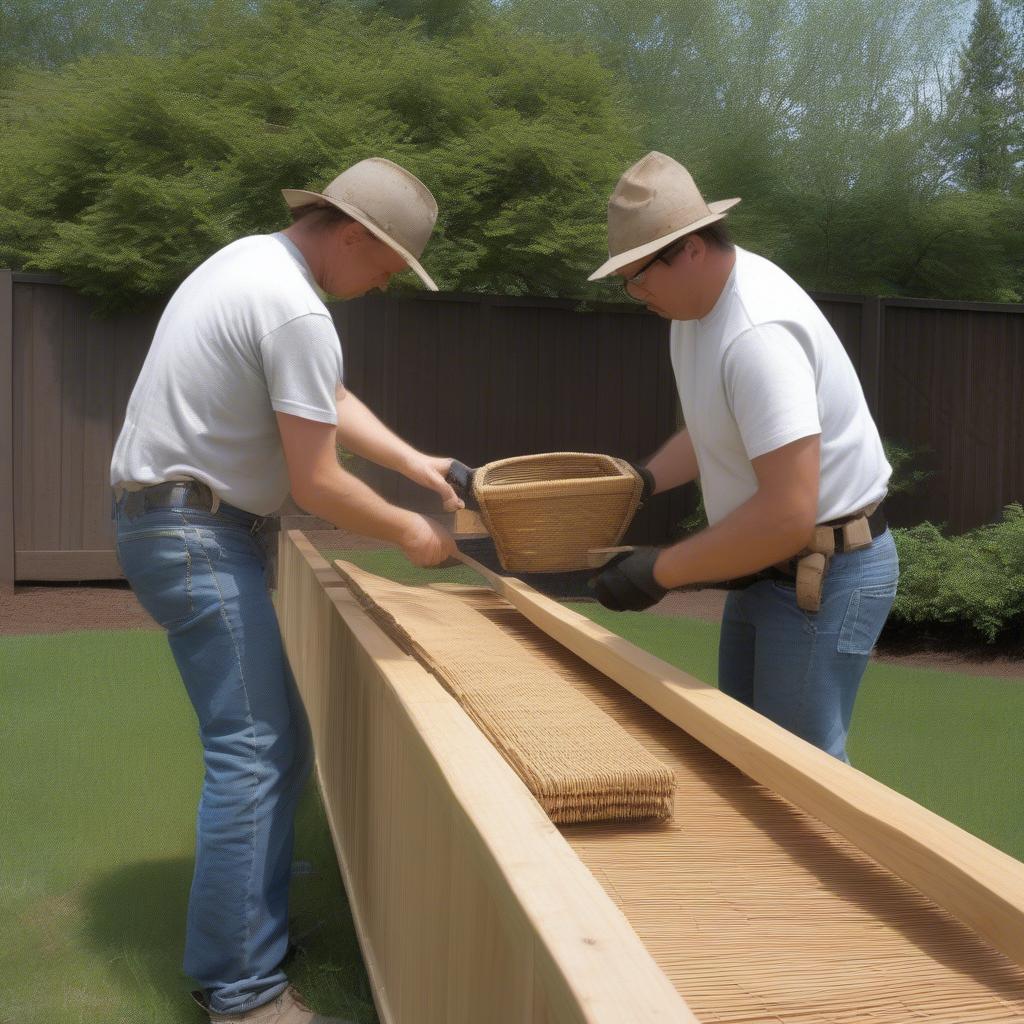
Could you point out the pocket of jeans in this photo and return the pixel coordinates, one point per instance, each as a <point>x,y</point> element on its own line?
<point>865,616</point>
<point>158,565</point>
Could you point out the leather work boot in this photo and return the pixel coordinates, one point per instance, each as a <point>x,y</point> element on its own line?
<point>287,1008</point>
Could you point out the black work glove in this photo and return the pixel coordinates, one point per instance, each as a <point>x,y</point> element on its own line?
<point>460,476</point>
<point>627,583</point>
<point>648,481</point>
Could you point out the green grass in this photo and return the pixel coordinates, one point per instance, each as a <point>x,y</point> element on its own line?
<point>99,776</point>
<point>950,741</point>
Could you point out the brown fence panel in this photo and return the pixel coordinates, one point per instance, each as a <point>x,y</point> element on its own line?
<point>954,377</point>
<point>484,377</point>
<point>72,375</point>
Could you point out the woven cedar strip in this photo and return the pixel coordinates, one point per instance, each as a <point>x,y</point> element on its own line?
<point>575,760</point>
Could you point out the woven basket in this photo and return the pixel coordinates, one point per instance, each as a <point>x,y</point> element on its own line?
<point>545,511</point>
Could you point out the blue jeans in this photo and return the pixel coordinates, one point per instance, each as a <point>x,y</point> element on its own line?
<point>202,577</point>
<point>803,670</point>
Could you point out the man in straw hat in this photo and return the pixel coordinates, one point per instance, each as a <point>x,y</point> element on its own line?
<point>790,462</point>
<point>239,401</point>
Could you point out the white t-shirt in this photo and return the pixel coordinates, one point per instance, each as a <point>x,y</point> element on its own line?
<point>763,369</point>
<point>245,334</point>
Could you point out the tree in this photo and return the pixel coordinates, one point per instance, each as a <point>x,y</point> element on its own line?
<point>124,171</point>
<point>439,17</point>
<point>51,33</point>
<point>986,108</point>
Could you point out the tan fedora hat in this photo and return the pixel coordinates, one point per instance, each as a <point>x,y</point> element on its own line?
<point>387,200</point>
<point>655,202</point>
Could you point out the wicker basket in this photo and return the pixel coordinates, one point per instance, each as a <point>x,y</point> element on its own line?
<point>545,511</point>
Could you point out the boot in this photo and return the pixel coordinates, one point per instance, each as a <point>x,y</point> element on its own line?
<point>287,1008</point>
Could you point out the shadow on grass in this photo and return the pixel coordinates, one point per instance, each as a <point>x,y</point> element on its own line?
<point>135,919</point>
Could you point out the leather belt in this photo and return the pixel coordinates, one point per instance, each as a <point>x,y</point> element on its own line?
<point>183,494</point>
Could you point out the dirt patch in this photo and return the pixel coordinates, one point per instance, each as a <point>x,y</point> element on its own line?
<point>63,608</point>
<point>66,608</point>
<point>952,655</point>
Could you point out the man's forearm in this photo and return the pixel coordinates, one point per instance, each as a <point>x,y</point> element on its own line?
<point>362,433</point>
<point>756,535</point>
<point>348,503</point>
<point>675,463</point>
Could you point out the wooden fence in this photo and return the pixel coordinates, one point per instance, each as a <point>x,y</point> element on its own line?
<point>482,377</point>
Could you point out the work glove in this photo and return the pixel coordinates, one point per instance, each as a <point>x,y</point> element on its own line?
<point>460,476</point>
<point>648,481</point>
<point>627,583</point>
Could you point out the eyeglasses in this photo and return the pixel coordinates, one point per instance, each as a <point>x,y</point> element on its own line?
<point>665,255</point>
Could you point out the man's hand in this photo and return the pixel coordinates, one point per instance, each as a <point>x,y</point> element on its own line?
<point>647,478</point>
<point>430,471</point>
<point>460,477</point>
<point>627,583</point>
<point>427,542</point>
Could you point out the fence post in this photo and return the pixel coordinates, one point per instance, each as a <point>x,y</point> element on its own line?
<point>6,430</point>
<point>872,339</point>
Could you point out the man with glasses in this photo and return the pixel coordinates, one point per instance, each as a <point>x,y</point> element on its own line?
<point>790,462</point>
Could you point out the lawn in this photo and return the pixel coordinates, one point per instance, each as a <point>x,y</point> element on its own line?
<point>99,779</point>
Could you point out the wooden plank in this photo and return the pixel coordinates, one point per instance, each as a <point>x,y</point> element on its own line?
<point>45,415</point>
<point>978,884</point>
<point>67,565</point>
<point>73,399</point>
<point>470,905</point>
<point>24,298</point>
<point>6,430</point>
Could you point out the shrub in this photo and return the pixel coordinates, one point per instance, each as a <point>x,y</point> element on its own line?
<point>972,582</point>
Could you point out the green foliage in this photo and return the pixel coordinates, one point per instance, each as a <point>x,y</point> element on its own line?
<point>876,148</point>
<point>50,33</point>
<point>837,123</point>
<point>986,102</point>
<point>907,475</point>
<point>972,583</point>
<point>123,171</point>
<point>438,17</point>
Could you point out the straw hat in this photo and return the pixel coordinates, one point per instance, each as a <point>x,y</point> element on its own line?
<point>655,202</point>
<point>387,200</point>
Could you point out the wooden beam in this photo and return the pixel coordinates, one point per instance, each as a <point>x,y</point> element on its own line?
<point>978,884</point>
<point>470,905</point>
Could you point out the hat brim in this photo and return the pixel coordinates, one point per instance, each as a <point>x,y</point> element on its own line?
<point>295,197</point>
<point>623,259</point>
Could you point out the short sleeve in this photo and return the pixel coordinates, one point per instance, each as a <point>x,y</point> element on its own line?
<point>770,386</point>
<point>302,363</point>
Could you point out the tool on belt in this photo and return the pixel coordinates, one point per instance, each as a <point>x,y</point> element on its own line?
<point>841,536</point>
<point>806,569</point>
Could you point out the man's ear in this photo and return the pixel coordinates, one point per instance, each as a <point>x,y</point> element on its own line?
<point>352,233</point>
